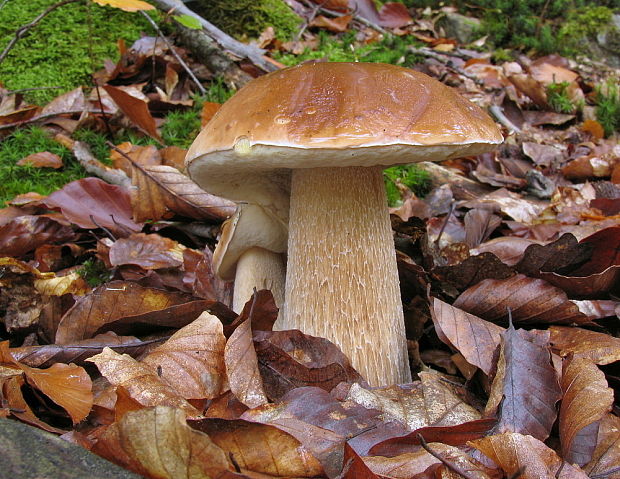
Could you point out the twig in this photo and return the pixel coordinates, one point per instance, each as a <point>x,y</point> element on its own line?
<point>24,90</point>
<point>445,223</point>
<point>95,167</point>
<point>498,113</point>
<point>452,467</point>
<point>427,52</point>
<point>174,52</point>
<point>240,50</point>
<point>34,119</point>
<point>311,17</point>
<point>21,31</point>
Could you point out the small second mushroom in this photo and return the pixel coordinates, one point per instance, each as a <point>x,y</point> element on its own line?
<point>251,252</point>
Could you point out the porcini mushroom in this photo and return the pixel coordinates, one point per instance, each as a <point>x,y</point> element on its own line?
<point>250,252</point>
<point>324,131</point>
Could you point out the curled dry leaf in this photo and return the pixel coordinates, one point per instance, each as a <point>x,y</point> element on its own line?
<point>529,300</point>
<point>260,448</point>
<point>511,204</point>
<point>192,360</point>
<point>26,233</point>
<point>598,347</point>
<point>290,359</point>
<point>140,380</point>
<point>355,467</point>
<point>110,302</point>
<point>93,203</point>
<point>526,385</point>
<point>149,251</point>
<point>457,435</point>
<point>604,461</point>
<point>162,190</point>
<point>526,457</point>
<point>67,385</point>
<point>158,443</point>
<point>44,159</point>
<point>477,340</point>
<point>337,25</point>
<point>142,155</point>
<point>78,352</point>
<point>136,109</point>
<point>242,367</point>
<point>72,283</point>
<point>587,398</point>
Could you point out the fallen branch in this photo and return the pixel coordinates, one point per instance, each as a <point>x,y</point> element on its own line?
<point>93,166</point>
<point>229,44</point>
<point>427,52</point>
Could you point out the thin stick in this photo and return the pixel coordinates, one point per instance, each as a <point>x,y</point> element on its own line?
<point>174,52</point>
<point>24,90</point>
<point>357,17</point>
<point>21,31</point>
<point>498,113</point>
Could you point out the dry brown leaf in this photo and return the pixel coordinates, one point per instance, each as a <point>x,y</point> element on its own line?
<point>477,340</point>
<point>242,367</point>
<point>26,233</point>
<point>338,24</point>
<point>67,385</point>
<point>192,360</point>
<point>162,190</point>
<point>92,203</point>
<point>136,109</point>
<point>261,448</point>
<point>598,347</point>
<point>126,5</point>
<point>525,385</point>
<point>525,457</point>
<point>143,155</point>
<point>529,300</point>
<point>587,398</point>
<point>604,461</point>
<point>209,109</point>
<point>149,251</point>
<point>109,303</point>
<point>173,156</point>
<point>44,159</point>
<point>72,283</point>
<point>140,380</point>
<point>158,443</point>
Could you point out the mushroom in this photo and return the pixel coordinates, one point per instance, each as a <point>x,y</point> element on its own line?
<point>322,132</point>
<point>250,253</point>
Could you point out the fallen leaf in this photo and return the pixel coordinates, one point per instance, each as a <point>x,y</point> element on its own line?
<point>140,380</point>
<point>111,302</point>
<point>587,398</point>
<point>527,300</point>
<point>44,159</point>
<point>161,190</point>
<point>158,443</point>
<point>260,448</point>
<point>136,109</point>
<point>580,343</point>
<point>338,24</point>
<point>525,389</point>
<point>526,457</point>
<point>477,340</point>
<point>604,461</point>
<point>192,360</point>
<point>147,251</point>
<point>92,203</point>
<point>26,233</point>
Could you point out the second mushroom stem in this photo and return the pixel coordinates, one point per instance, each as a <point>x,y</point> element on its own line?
<point>342,279</point>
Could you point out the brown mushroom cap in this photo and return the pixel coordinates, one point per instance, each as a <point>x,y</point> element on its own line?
<point>332,114</point>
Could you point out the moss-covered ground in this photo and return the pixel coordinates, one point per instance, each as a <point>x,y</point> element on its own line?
<point>65,47</point>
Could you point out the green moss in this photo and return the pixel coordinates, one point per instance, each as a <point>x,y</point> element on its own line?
<point>343,48</point>
<point>558,98</point>
<point>249,18</point>
<point>582,23</point>
<point>16,180</point>
<point>95,272</point>
<point>56,51</point>
<point>608,107</point>
<point>413,177</point>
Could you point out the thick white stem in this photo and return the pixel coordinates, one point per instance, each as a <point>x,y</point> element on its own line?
<point>342,279</point>
<point>261,269</point>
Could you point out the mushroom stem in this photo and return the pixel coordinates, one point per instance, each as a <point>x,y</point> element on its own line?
<point>342,278</point>
<point>261,269</point>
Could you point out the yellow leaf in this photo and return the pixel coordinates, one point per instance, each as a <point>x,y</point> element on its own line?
<point>126,5</point>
